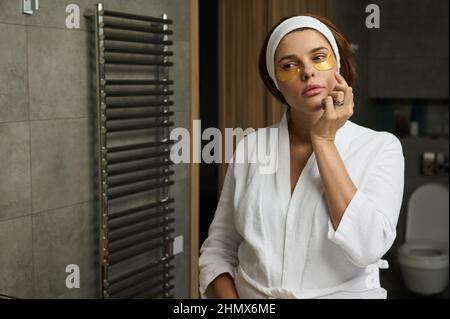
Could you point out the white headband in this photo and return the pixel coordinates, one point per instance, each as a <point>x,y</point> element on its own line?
<point>292,24</point>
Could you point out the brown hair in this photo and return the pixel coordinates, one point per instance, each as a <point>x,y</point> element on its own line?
<point>348,65</point>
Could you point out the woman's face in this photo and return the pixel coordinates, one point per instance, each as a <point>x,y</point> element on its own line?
<point>305,67</point>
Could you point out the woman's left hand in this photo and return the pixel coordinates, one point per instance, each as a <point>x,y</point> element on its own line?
<point>338,108</point>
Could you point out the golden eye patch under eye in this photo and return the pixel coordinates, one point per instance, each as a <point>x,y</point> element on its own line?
<point>327,64</point>
<point>290,70</point>
<point>287,71</point>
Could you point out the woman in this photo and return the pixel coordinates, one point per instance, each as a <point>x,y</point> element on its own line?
<point>319,226</point>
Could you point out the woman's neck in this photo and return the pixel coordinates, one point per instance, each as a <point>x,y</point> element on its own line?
<point>299,126</point>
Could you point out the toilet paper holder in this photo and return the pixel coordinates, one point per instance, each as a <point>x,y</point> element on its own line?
<point>434,164</point>
<point>29,6</point>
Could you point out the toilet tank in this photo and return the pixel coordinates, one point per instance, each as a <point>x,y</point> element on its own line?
<point>427,213</point>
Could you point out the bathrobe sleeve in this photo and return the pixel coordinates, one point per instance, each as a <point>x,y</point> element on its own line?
<point>218,253</point>
<point>368,227</point>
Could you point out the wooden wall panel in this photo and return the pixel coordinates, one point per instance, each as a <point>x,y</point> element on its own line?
<point>194,110</point>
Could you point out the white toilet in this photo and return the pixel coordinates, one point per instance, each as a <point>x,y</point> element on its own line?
<point>423,258</point>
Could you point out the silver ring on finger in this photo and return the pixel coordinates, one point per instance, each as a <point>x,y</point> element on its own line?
<point>338,103</point>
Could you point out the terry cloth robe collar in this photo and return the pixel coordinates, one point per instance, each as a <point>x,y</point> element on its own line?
<point>300,207</point>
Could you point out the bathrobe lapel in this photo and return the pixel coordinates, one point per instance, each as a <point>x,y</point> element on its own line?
<point>298,209</point>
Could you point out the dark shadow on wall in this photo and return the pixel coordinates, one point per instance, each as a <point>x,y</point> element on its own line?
<point>208,109</point>
<point>94,155</point>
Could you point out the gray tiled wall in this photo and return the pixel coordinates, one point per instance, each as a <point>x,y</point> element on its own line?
<point>48,216</point>
<point>409,52</point>
<point>350,20</point>
<point>381,52</point>
<point>402,45</point>
<point>13,78</point>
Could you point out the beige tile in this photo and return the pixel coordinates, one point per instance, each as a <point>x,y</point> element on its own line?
<point>59,73</point>
<point>16,257</point>
<point>11,12</point>
<point>63,164</point>
<point>62,237</point>
<point>15,188</point>
<point>52,13</point>
<point>13,73</point>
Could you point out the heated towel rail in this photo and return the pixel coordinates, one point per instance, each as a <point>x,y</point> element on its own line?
<point>134,116</point>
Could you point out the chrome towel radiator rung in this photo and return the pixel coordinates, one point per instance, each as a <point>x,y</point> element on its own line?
<point>136,217</point>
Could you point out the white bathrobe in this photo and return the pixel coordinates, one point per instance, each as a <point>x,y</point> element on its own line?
<point>278,246</point>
